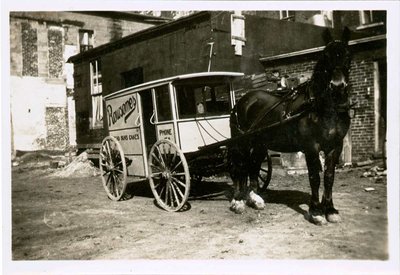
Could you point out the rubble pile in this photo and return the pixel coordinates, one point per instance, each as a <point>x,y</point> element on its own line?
<point>375,172</point>
<point>81,166</point>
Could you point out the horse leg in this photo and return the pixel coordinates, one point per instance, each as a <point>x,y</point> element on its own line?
<point>238,173</point>
<point>316,213</point>
<point>257,155</point>
<point>332,215</point>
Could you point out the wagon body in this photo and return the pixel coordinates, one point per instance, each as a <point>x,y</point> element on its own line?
<point>157,131</point>
<point>190,110</point>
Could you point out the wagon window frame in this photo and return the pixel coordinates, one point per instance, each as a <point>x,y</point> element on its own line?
<point>203,99</point>
<point>162,106</point>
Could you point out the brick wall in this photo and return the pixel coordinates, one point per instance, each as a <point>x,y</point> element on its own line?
<point>361,91</point>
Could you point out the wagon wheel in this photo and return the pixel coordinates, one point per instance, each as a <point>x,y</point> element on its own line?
<point>113,168</point>
<point>265,173</point>
<point>169,175</point>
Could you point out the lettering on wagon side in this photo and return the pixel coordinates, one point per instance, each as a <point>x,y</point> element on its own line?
<point>125,110</point>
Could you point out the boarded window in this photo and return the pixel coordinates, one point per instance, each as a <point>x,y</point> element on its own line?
<point>55,44</point>
<point>29,50</point>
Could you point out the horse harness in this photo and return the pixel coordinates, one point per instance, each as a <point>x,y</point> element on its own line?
<point>288,113</point>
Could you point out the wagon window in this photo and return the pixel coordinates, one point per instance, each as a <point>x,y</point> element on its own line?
<point>203,100</point>
<point>163,103</point>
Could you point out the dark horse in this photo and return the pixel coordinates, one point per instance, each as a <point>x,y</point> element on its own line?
<point>311,118</point>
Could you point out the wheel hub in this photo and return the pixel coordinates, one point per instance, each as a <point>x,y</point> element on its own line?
<point>166,175</point>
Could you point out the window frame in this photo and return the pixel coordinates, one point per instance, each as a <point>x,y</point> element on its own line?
<point>207,112</point>
<point>96,96</point>
<point>368,20</point>
<point>286,15</point>
<point>90,43</point>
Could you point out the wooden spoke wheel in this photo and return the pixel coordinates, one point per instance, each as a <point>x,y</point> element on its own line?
<point>113,168</point>
<point>168,175</point>
<point>265,173</point>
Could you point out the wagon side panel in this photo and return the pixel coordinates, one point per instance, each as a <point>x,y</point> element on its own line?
<point>124,123</point>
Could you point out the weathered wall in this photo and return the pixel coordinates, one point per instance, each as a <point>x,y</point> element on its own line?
<point>40,44</point>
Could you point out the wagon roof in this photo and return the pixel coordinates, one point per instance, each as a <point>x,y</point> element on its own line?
<point>157,82</point>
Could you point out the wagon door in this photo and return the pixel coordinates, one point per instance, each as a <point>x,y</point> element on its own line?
<point>164,118</point>
<point>124,123</point>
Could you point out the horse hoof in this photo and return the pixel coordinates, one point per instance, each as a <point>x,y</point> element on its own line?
<point>255,201</point>
<point>333,218</point>
<point>237,206</point>
<point>317,219</point>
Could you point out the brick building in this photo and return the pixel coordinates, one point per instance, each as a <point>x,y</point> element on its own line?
<point>286,40</point>
<point>179,47</point>
<point>42,103</point>
<point>368,77</point>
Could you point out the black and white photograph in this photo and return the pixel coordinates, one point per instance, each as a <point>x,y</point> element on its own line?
<point>200,137</point>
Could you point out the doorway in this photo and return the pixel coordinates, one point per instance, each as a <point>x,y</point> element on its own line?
<point>149,128</point>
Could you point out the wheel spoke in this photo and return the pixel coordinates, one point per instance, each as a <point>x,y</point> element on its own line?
<point>156,167</point>
<point>174,157</point>
<point>108,180</point>
<point>156,174</point>
<point>179,174</point>
<point>118,171</point>
<point>176,166</point>
<point>108,151</point>
<point>177,188</point>
<point>166,194</point>
<point>170,195</point>
<point>105,173</point>
<point>158,160</point>
<point>179,182</point>
<point>116,187</point>
<point>264,170</point>
<point>162,190</point>
<point>161,156</point>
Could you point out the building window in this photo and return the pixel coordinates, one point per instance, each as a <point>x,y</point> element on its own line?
<point>132,77</point>
<point>371,17</point>
<point>96,93</point>
<point>85,40</point>
<point>286,15</point>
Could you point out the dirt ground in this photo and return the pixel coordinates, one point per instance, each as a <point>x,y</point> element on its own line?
<point>55,218</point>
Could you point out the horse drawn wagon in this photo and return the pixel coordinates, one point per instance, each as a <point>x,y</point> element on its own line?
<point>163,131</point>
<point>171,130</point>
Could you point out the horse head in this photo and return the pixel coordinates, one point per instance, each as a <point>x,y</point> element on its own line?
<point>332,70</point>
<point>336,59</point>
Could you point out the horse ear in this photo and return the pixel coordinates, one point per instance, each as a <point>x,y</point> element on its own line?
<point>346,35</point>
<point>327,36</point>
